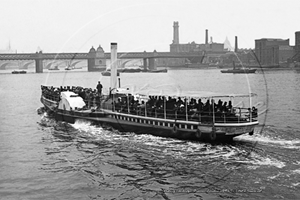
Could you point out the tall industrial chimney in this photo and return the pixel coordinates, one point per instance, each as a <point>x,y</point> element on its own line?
<point>297,45</point>
<point>236,44</point>
<point>113,65</point>
<point>176,33</point>
<point>206,36</point>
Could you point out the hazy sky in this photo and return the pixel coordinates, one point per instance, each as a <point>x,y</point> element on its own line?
<point>138,25</point>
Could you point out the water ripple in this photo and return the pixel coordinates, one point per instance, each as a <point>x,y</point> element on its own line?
<point>136,164</point>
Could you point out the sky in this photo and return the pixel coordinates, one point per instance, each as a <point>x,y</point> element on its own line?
<point>141,25</point>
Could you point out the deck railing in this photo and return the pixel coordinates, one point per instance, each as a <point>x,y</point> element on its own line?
<point>235,114</point>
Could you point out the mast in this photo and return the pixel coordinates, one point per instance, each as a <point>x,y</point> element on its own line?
<point>113,65</point>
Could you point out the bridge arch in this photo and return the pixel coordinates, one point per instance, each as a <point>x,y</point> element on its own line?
<point>49,64</point>
<point>124,62</point>
<point>26,65</point>
<point>72,64</point>
<point>65,62</point>
<point>4,65</point>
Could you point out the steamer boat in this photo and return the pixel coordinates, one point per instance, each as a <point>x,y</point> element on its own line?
<point>54,68</point>
<point>19,72</point>
<point>154,112</point>
<point>240,70</point>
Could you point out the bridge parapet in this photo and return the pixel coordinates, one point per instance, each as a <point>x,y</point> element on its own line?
<point>43,56</point>
<point>16,56</point>
<point>97,60</point>
<point>79,56</point>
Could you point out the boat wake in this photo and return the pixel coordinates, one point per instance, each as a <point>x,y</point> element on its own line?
<point>273,138</point>
<point>46,121</point>
<point>259,160</point>
<point>238,153</point>
<point>244,151</point>
<point>41,110</point>
<point>62,131</point>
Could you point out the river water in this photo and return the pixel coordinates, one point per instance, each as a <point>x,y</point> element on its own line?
<point>44,159</point>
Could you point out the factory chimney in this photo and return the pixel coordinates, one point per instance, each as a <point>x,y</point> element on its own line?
<point>206,36</point>
<point>236,44</point>
<point>297,45</point>
<point>176,33</point>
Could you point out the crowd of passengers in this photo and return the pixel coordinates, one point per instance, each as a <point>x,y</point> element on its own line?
<point>90,96</point>
<point>180,109</point>
<point>155,106</point>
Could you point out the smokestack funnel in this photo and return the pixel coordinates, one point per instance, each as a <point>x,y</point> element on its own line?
<point>206,36</point>
<point>236,44</point>
<point>113,65</point>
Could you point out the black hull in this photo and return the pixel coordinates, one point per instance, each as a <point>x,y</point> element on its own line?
<point>107,73</point>
<point>239,71</point>
<point>167,132</point>
<point>19,72</point>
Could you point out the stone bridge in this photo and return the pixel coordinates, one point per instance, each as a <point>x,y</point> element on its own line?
<point>96,59</point>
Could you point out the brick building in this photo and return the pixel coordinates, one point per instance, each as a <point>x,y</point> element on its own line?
<point>273,51</point>
<point>297,47</point>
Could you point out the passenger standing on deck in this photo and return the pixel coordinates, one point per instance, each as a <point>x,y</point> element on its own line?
<point>97,99</point>
<point>99,88</point>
